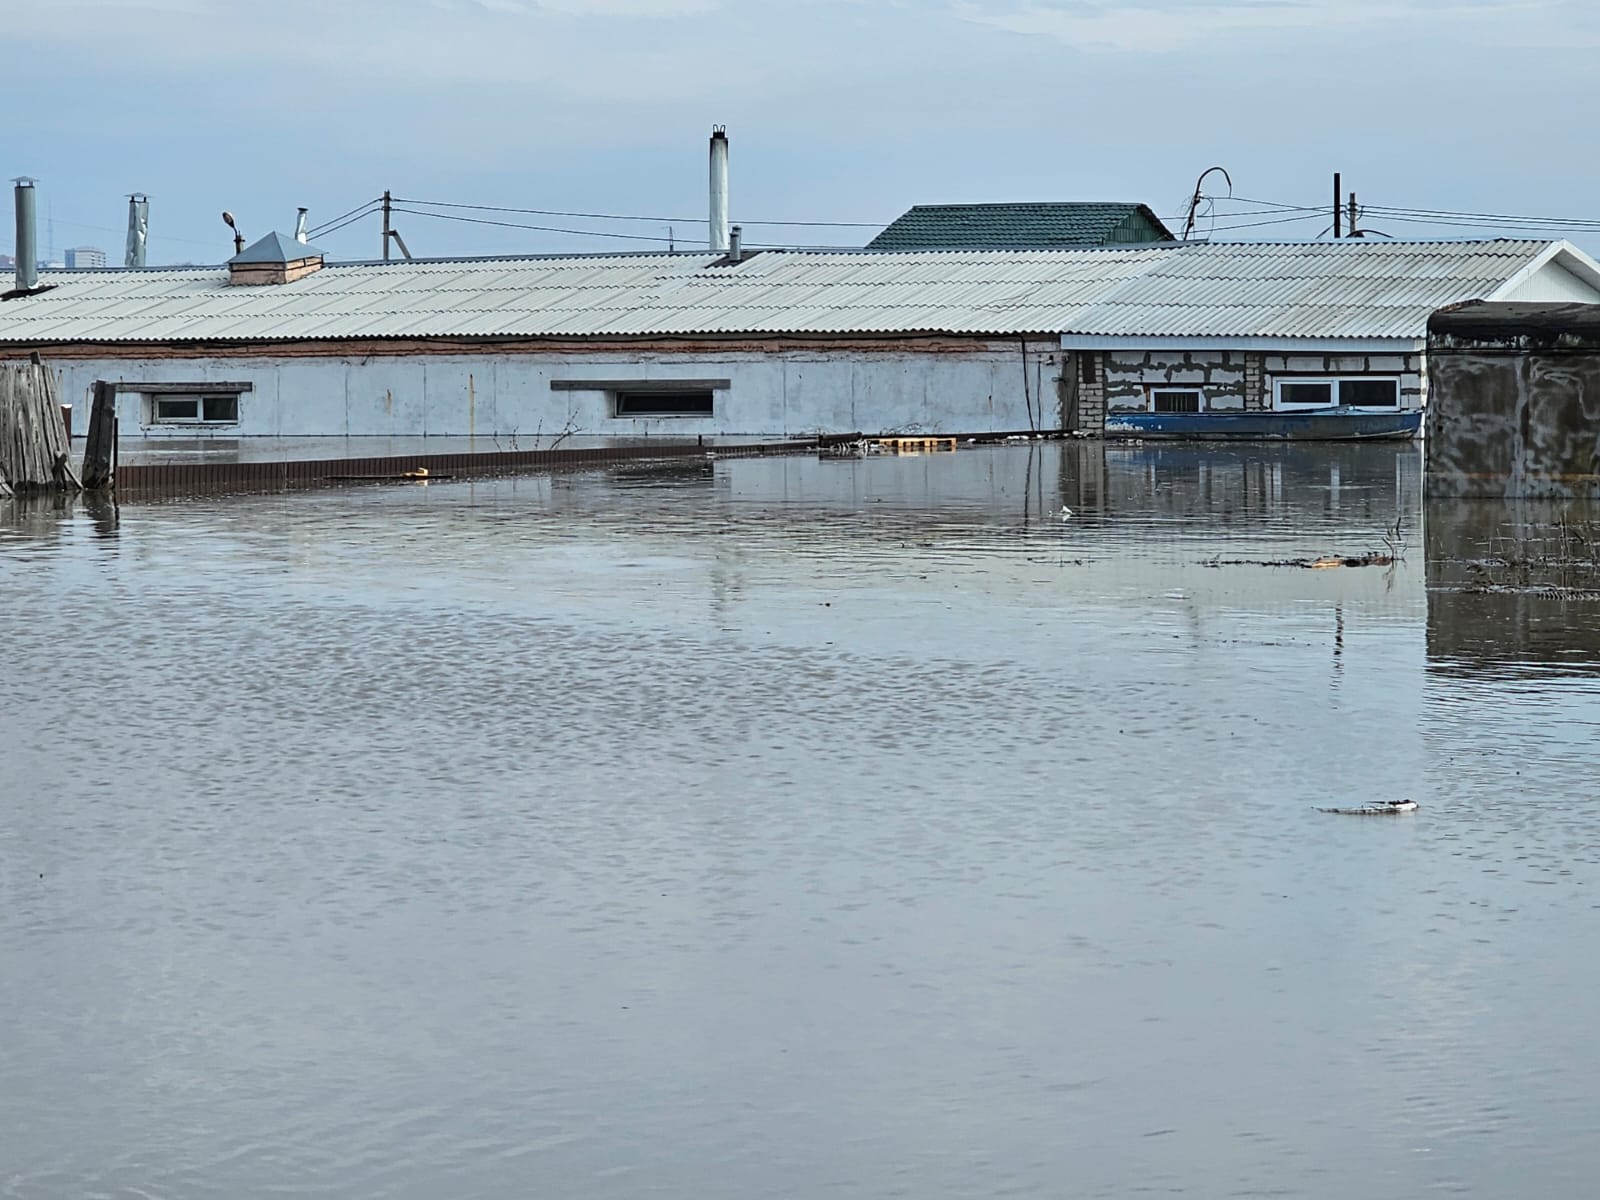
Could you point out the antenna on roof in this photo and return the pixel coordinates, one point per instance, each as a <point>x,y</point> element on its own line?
<point>1199,195</point>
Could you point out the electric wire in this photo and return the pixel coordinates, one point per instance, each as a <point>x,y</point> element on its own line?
<point>1273,212</point>
<point>592,216</point>
<point>632,237</point>
<point>330,228</point>
<point>335,220</point>
<point>593,233</point>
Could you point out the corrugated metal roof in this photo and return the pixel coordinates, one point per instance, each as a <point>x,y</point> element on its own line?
<point>1042,226</point>
<point>1338,289</point>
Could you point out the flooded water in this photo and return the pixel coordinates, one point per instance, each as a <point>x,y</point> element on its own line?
<point>795,827</point>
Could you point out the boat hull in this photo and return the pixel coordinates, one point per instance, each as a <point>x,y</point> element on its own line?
<point>1312,425</point>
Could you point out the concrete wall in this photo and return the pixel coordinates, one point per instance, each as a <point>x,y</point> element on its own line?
<point>939,386</point>
<point>1515,408</point>
<point>1517,424</point>
<point>1130,374</point>
<point>1232,380</point>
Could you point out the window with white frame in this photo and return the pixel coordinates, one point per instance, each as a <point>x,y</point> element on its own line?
<point>1175,400</point>
<point>195,410</point>
<point>1328,391</point>
<point>189,403</point>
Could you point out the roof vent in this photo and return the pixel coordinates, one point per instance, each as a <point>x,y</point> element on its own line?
<point>274,259</point>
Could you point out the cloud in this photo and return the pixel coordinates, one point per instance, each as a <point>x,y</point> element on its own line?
<point>1155,27</point>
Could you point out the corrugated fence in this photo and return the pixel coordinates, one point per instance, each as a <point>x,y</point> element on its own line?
<point>283,475</point>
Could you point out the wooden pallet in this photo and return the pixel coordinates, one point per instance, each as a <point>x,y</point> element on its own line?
<point>901,445</point>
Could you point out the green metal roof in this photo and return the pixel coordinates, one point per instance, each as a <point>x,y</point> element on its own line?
<point>1021,227</point>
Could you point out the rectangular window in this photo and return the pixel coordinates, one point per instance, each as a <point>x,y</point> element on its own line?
<point>177,408</point>
<point>194,409</point>
<point>220,408</point>
<point>1348,391</point>
<point>1305,395</point>
<point>666,403</point>
<point>1370,393</point>
<point>1165,401</point>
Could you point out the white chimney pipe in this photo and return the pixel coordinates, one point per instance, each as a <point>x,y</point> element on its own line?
<point>138,229</point>
<point>27,237</point>
<point>300,227</point>
<point>719,190</point>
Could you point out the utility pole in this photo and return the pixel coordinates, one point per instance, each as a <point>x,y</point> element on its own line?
<point>1338,208</point>
<point>387,205</point>
<point>1354,212</point>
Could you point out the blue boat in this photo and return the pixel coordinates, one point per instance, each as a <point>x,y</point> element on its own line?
<point>1336,424</point>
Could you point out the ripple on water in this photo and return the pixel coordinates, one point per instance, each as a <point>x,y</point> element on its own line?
<point>790,826</point>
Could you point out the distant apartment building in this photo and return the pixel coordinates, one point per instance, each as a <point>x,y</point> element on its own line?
<point>85,258</point>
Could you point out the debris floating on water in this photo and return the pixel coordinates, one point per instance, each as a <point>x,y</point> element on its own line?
<point>1384,808</point>
<point>1315,564</point>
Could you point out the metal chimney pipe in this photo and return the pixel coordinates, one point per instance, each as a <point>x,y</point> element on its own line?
<point>27,237</point>
<point>300,227</point>
<point>719,190</point>
<point>138,229</point>
<point>735,248</point>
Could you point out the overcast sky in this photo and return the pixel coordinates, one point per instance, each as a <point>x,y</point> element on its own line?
<point>838,110</point>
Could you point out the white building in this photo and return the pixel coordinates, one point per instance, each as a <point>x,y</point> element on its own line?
<point>85,258</point>
<point>280,343</point>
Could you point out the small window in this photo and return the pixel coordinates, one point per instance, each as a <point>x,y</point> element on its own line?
<point>1305,395</point>
<point>177,408</point>
<point>1370,393</point>
<point>194,408</point>
<point>1361,391</point>
<point>220,408</point>
<point>1174,402</point>
<point>665,403</point>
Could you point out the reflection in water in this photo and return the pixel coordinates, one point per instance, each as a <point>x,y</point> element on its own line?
<point>787,826</point>
<point>1513,585</point>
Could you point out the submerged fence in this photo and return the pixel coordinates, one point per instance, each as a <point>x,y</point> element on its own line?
<point>284,474</point>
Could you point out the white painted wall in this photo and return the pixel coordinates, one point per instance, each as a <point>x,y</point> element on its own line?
<point>1553,284</point>
<point>773,393</point>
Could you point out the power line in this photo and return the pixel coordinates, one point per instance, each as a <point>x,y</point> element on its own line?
<point>1584,222</point>
<point>632,237</point>
<point>592,216</point>
<point>327,226</point>
<point>1308,216</point>
<point>1497,225</point>
<point>322,231</point>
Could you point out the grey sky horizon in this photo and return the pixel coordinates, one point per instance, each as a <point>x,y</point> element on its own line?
<point>838,111</point>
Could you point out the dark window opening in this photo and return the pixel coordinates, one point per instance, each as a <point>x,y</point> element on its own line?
<point>1370,393</point>
<point>664,404</point>
<point>219,408</point>
<point>1175,402</point>
<point>177,408</point>
<point>1086,366</point>
<point>1315,395</point>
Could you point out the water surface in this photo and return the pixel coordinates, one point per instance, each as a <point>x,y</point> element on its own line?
<point>796,827</point>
